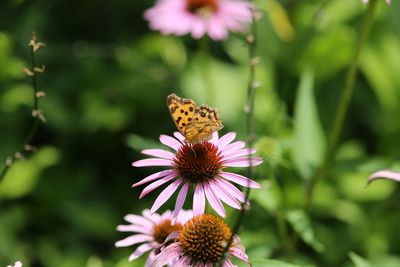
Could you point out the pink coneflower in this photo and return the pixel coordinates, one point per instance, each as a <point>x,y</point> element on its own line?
<point>200,165</point>
<point>387,1</point>
<point>200,243</point>
<point>151,230</point>
<point>17,264</point>
<point>199,17</point>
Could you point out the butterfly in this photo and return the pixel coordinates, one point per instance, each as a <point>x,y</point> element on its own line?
<point>195,123</point>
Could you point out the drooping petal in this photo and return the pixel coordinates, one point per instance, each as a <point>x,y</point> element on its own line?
<point>238,253</point>
<point>156,184</point>
<point>225,197</point>
<point>239,153</point>
<point>180,137</point>
<point>133,239</point>
<point>199,201</point>
<point>155,176</point>
<point>240,179</point>
<point>160,153</point>
<point>166,255</point>
<point>180,199</point>
<point>152,162</point>
<point>165,195</point>
<point>140,250</point>
<point>170,141</point>
<point>228,187</point>
<point>214,201</point>
<point>242,162</point>
<point>384,174</point>
<point>233,146</point>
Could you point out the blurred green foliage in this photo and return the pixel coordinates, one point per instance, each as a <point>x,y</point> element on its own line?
<point>106,80</point>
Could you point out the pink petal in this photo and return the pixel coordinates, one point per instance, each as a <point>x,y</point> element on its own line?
<point>239,153</point>
<point>239,179</point>
<point>134,228</point>
<point>152,162</point>
<point>170,141</point>
<point>179,136</point>
<point>160,153</point>
<point>225,197</point>
<point>180,199</point>
<point>153,217</point>
<point>140,250</point>
<point>155,176</point>
<point>166,255</point>
<point>199,201</point>
<point>217,29</point>
<point>214,201</point>
<point>233,191</point>
<point>214,138</point>
<point>233,146</point>
<point>165,195</point>
<point>133,239</point>
<point>225,140</point>
<point>228,263</point>
<point>238,253</point>
<point>138,220</point>
<point>183,262</point>
<point>384,174</point>
<point>156,184</point>
<point>242,162</point>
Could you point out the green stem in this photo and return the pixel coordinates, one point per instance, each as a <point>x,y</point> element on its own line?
<point>35,114</point>
<point>251,86</point>
<point>344,102</point>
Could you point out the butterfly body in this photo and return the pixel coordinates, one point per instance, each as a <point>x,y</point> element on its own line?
<point>195,123</point>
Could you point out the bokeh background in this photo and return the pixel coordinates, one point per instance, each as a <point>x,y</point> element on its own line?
<point>106,80</point>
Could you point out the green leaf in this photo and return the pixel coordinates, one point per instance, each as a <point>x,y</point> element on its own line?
<point>300,222</point>
<point>309,141</point>
<point>271,263</point>
<point>358,260</point>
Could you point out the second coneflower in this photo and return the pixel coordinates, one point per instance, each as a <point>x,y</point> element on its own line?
<point>202,167</point>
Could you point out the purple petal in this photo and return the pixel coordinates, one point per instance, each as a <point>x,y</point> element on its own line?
<point>156,184</point>
<point>170,141</point>
<point>225,140</point>
<point>155,176</point>
<point>233,191</point>
<point>238,253</point>
<point>199,201</point>
<point>134,228</point>
<point>243,162</point>
<point>240,179</point>
<point>180,199</point>
<point>239,153</point>
<point>225,197</point>
<point>133,239</point>
<point>140,250</point>
<point>165,195</point>
<point>167,255</point>
<point>384,174</point>
<point>214,201</point>
<point>160,153</point>
<point>152,162</point>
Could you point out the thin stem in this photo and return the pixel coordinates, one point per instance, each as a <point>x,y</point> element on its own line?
<point>37,116</point>
<point>344,102</point>
<point>249,109</point>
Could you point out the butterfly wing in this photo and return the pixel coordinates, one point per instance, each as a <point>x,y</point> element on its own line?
<point>205,122</point>
<point>182,111</point>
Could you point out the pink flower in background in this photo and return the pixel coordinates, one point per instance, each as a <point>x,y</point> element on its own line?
<point>384,174</point>
<point>200,243</point>
<point>201,166</point>
<point>151,230</point>
<point>387,1</point>
<point>199,17</point>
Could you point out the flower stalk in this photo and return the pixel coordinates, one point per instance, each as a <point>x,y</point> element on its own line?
<point>253,84</point>
<point>37,114</point>
<point>343,104</point>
